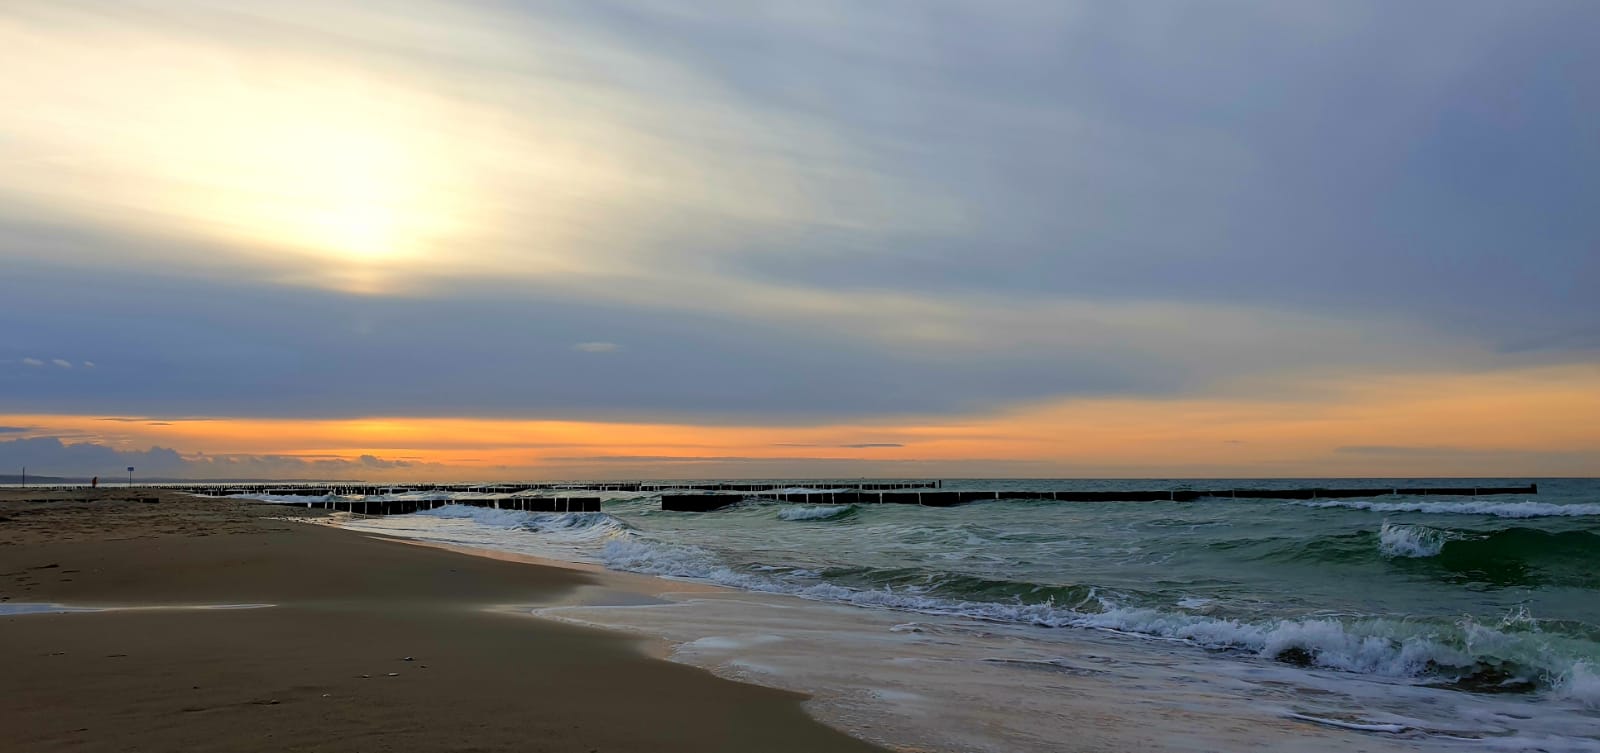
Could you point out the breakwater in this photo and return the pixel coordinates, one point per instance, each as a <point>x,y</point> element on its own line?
<point>407,506</point>
<point>705,502</point>
<point>368,490</point>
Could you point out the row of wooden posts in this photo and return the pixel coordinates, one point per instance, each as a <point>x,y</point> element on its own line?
<point>706,502</point>
<point>703,501</point>
<point>407,506</point>
<point>347,490</point>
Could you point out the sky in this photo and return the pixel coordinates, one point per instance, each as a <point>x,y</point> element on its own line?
<point>557,240</point>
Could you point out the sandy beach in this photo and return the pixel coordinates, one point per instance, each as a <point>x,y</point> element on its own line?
<point>336,641</point>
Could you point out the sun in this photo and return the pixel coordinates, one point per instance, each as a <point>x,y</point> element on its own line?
<point>341,186</point>
<point>355,198</point>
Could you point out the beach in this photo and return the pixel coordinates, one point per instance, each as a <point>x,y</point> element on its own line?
<point>251,623</point>
<point>224,626</point>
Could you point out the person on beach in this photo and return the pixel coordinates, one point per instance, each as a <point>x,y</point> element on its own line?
<point>94,483</point>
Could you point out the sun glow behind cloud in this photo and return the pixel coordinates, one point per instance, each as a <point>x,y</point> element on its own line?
<point>446,141</point>
<point>333,174</point>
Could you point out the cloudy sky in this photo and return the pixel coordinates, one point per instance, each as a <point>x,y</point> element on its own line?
<point>526,239</point>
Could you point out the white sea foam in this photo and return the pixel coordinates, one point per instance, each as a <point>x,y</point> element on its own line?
<point>954,685</point>
<point>818,512</point>
<point>1388,648</point>
<point>1580,683</point>
<point>428,496</point>
<point>488,516</point>
<point>288,499</point>
<point>595,526</point>
<point>1526,509</point>
<point>1400,540</point>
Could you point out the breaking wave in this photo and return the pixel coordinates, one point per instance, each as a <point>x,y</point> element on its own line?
<point>1475,507</point>
<point>1398,540</point>
<point>289,499</point>
<point>1517,655</point>
<point>567,525</point>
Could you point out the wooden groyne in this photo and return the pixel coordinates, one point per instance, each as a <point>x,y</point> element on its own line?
<point>408,506</point>
<point>704,502</point>
<point>369,490</point>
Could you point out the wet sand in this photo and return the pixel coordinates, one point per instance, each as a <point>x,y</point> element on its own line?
<point>368,644</point>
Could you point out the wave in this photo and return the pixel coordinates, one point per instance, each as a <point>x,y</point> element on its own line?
<point>569,526</point>
<point>1525,509</point>
<point>819,512</point>
<point>288,499</point>
<point>1509,557</point>
<point>1514,656</point>
<point>1522,557</point>
<point>1581,683</point>
<point>1400,540</point>
<point>1518,654</point>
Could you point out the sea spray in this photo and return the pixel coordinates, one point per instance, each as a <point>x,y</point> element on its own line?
<point>1399,540</point>
<point>1581,683</point>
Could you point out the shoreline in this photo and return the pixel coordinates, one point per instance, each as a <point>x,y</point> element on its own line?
<point>368,644</point>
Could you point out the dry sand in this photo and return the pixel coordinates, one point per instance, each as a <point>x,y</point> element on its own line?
<point>368,645</point>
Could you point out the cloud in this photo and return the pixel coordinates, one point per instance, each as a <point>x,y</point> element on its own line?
<point>52,456</point>
<point>88,364</point>
<point>672,459</point>
<point>1445,452</point>
<point>62,362</point>
<point>432,130</point>
<point>34,362</point>
<point>859,445</point>
<point>372,461</point>
<point>13,429</point>
<point>790,212</point>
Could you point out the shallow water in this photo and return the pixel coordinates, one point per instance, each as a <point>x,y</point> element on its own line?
<point>1434,620</point>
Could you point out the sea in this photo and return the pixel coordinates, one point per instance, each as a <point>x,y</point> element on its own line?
<point>1388,622</point>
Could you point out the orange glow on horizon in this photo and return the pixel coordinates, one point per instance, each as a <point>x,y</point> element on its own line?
<point>1532,422</point>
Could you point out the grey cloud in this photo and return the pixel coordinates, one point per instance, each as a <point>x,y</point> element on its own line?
<point>13,429</point>
<point>372,461</point>
<point>598,459</point>
<point>1347,187</point>
<point>52,456</point>
<point>859,445</point>
<point>1320,157</point>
